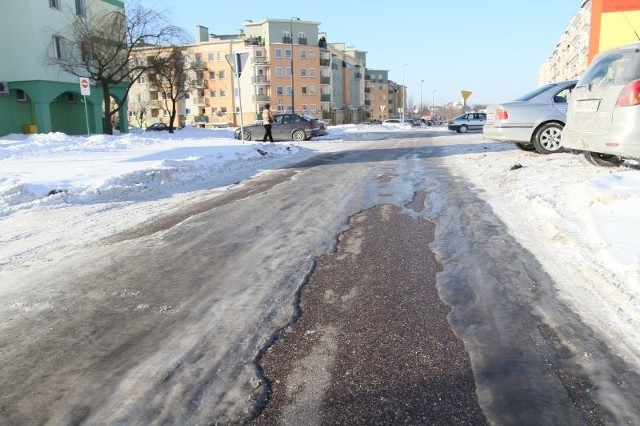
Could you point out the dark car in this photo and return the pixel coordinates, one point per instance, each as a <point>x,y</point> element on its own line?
<point>157,127</point>
<point>534,121</point>
<point>285,127</point>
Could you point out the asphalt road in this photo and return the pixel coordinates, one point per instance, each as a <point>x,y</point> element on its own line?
<point>367,286</point>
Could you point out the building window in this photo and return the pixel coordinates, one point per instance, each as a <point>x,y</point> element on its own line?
<point>314,109</point>
<point>223,110</point>
<point>287,53</point>
<point>278,72</point>
<point>213,94</point>
<point>188,111</point>
<point>279,91</point>
<point>54,4</point>
<point>57,47</point>
<point>223,93</point>
<point>304,108</point>
<point>211,57</point>
<point>303,72</point>
<point>221,75</point>
<point>212,75</point>
<point>312,72</point>
<point>71,98</point>
<point>304,90</point>
<point>289,91</point>
<point>278,53</point>
<point>303,54</point>
<point>21,95</point>
<point>312,54</point>
<point>221,56</point>
<point>312,90</point>
<point>287,72</point>
<point>80,9</point>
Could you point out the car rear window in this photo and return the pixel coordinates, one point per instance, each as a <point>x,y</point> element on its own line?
<point>536,92</point>
<point>613,69</point>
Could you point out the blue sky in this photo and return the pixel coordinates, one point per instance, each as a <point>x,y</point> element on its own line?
<point>492,48</point>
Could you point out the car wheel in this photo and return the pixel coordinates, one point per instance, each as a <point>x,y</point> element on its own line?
<point>602,160</point>
<point>525,146</point>
<point>547,138</point>
<point>463,129</point>
<point>247,135</point>
<point>299,135</point>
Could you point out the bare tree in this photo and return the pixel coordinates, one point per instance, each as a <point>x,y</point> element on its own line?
<point>101,48</point>
<point>174,75</point>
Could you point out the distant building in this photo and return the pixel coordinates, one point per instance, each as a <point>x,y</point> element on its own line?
<point>36,95</point>
<point>289,65</point>
<point>597,26</point>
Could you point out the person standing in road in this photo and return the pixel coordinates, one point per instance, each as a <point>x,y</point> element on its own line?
<point>267,119</point>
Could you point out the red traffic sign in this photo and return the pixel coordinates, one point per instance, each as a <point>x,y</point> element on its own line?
<point>85,87</point>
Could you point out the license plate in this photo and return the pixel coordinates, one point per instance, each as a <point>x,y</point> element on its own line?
<point>590,105</point>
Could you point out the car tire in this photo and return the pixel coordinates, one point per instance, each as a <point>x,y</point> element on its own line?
<point>547,138</point>
<point>602,160</point>
<point>525,146</point>
<point>299,135</point>
<point>247,135</point>
<point>463,129</point>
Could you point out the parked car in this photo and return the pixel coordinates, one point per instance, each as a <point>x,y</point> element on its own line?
<point>285,126</point>
<point>409,121</point>
<point>157,127</point>
<point>322,128</point>
<point>467,121</point>
<point>603,120</point>
<point>532,122</point>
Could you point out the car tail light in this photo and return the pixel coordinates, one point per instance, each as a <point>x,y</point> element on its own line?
<point>630,94</point>
<point>502,114</point>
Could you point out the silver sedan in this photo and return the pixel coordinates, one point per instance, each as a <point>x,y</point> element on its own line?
<point>533,121</point>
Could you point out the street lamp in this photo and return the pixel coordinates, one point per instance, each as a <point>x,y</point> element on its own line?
<point>421,110</point>
<point>433,103</point>
<point>293,89</point>
<point>403,90</point>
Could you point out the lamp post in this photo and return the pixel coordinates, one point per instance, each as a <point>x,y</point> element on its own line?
<point>421,110</point>
<point>433,103</point>
<point>293,90</point>
<point>403,90</point>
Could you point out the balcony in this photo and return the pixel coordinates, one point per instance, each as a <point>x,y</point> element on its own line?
<point>198,65</point>
<point>261,98</point>
<point>325,62</point>
<point>287,39</point>
<point>325,80</point>
<point>302,40</point>
<point>201,118</point>
<point>254,41</point>
<point>325,98</point>
<point>200,101</point>
<point>358,75</point>
<point>260,79</point>
<point>156,103</point>
<point>201,84</point>
<point>260,60</point>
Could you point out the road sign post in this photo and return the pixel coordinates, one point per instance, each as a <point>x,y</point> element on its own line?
<point>237,62</point>
<point>85,90</point>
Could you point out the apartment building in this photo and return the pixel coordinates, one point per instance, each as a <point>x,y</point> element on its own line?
<point>289,65</point>
<point>597,26</point>
<point>35,94</point>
